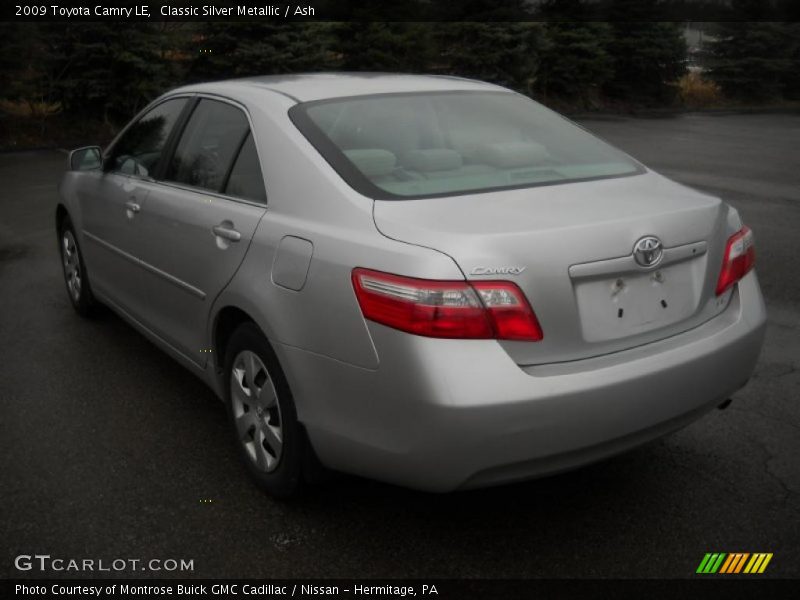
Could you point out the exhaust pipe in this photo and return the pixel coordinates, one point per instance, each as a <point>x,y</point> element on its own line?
<point>725,404</point>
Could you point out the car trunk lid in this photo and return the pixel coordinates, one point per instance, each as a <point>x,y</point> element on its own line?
<point>570,249</point>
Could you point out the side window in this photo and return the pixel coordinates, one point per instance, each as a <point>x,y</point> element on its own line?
<point>138,150</point>
<point>210,141</point>
<point>245,180</point>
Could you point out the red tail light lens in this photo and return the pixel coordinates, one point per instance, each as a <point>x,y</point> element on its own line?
<point>739,258</point>
<point>508,310</point>
<point>446,309</point>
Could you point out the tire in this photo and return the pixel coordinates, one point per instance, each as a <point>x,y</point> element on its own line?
<point>76,277</point>
<point>268,437</point>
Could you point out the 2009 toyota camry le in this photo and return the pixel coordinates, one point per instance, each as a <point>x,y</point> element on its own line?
<point>430,281</point>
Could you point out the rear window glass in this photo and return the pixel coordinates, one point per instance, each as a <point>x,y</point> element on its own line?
<point>396,146</point>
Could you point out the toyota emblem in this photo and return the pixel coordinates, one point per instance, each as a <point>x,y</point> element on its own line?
<point>648,251</point>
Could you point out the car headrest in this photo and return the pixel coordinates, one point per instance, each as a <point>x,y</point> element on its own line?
<point>510,155</point>
<point>397,133</point>
<point>436,159</point>
<point>372,162</point>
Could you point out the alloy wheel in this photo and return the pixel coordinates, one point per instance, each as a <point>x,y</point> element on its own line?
<point>256,411</point>
<point>72,265</point>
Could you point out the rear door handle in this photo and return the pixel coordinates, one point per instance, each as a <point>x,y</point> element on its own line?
<point>132,206</point>
<point>227,233</point>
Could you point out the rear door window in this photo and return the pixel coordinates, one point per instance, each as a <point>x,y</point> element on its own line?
<point>246,180</point>
<point>210,142</point>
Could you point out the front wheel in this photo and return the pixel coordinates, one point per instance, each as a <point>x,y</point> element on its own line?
<point>262,413</point>
<point>75,276</point>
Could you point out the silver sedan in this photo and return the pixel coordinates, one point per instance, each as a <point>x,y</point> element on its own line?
<point>430,281</point>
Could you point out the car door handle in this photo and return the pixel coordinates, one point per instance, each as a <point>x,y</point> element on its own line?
<point>132,206</point>
<point>227,233</point>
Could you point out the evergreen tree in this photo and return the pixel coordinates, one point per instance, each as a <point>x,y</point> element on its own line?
<point>222,50</point>
<point>379,46</point>
<point>503,53</point>
<point>648,56</point>
<point>25,59</point>
<point>575,63</point>
<point>754,61</point>
<point>111,71</point>
<point>792,89</point>
<point>482,10</point>
<point>29,78</point>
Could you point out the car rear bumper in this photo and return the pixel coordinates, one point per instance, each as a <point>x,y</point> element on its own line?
<point>440,415</point>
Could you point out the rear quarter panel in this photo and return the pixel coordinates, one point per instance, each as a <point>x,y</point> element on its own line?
<point>308,200</point>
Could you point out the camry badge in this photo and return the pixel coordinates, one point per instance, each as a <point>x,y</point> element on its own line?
<point>497,270</point>
<point>648,251</point>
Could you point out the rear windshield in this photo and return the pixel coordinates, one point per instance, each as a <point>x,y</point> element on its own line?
<point>398,146</point>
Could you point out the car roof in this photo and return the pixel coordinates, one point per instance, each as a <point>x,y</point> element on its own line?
<point>308,87</point>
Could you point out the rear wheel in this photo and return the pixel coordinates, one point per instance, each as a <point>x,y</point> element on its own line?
<point>262,413</point>
<point>75,276</point>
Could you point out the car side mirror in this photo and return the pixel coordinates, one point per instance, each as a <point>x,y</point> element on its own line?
<point>87,158</point>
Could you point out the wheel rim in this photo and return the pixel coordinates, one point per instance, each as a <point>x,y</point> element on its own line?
<point>256,411</point>
<point>72,265</point>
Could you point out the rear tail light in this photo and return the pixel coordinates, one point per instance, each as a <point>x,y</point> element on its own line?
<point>446,309</point>
<point>740,256</point>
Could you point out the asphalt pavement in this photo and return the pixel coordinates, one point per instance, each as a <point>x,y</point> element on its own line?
<point>109,449</point>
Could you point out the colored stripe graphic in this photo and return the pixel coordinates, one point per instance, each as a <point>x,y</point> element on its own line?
<point>754,563</point>
<point>740,564</point>
<point>766,562</point>
<point>758,563</point>
<point>734,561</point>
<point>703,563</point>
<point>711,562</point>
<point>722,563</point>
<point>728,562</point>
<point>718,563</point>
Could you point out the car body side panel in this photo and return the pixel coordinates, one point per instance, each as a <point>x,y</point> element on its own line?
<point>324,316</point>
<point>169,349</point>
<point>187,264</point>
<point>109,231</point>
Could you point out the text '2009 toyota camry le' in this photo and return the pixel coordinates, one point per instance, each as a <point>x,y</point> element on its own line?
<point>430,281</point>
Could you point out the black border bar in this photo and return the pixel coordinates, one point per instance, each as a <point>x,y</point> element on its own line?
<point>400,10</point>
<point>706,587</point>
